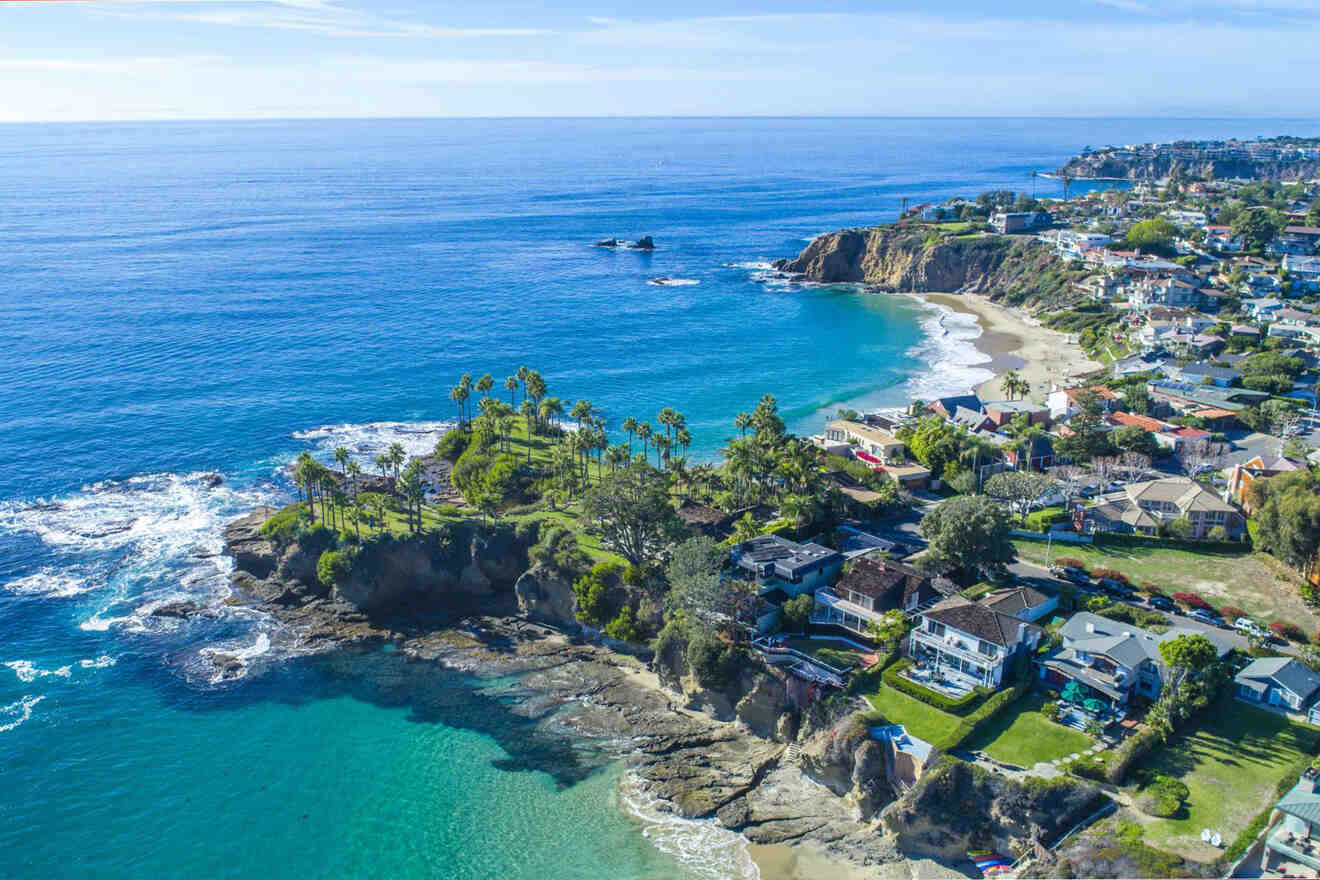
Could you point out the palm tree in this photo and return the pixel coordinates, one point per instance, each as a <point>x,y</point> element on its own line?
<point>683,439</point>
<point>303,477</point>
<point>383,462</point>
<point>580,411</point>
<point>671,419</point>
<point>644,433</point>
<point>484,384</point>
<point>742,422</point>
<point>511,386</point>
<point>528,410</point>
<point>1009,384</point>
<point>662,447</point>
<point>535,388</point>
<point>341,456</point>
<point>629,425</point>
<point>459,395</point>
<point>353,471</point>
<point>551,408</point>
<point>397,458</point>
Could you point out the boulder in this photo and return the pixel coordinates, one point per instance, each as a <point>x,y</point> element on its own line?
<point>544,595</point>
<point>643,244</point>
<point>607,243</point>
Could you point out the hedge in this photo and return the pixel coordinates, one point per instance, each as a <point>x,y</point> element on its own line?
<point>1117,539</point>
<point>1132,751</point>
<point>972,724</point>
<point>1041,520</point>
<point>960,706</point>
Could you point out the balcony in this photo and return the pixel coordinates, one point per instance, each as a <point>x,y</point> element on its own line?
<point>957,646</point>
<point>1303,850</point>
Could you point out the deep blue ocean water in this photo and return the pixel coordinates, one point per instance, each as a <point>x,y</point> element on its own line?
<point>186,299</point>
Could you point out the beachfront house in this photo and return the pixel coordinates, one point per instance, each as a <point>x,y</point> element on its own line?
<point>776,563</point>
<point>1145,508</point>
<point>958,644</point>
<point>1001,412</point>
<point>1108,662</point>
<point>1295,841</point>
<point>1063,402</point>
<point>869,588</point>
<point>1010,222</point>
<point>877,447</point>
<point>1277,681</point>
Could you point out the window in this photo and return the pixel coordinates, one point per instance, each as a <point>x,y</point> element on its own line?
<point>935,628</point>
<point>986,649</point>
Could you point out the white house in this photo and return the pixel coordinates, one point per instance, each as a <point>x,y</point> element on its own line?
<point>968,643</point>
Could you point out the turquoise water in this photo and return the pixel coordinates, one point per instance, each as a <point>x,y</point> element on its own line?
<point>186,306</point>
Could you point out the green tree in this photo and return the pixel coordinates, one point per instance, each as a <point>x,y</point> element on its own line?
<point>630,511</point>
<point>1134,438</point>
<point>1288,516</point>
<point>1152,235</point>
<point>890,629</point>
<point>795,613</point>
<point>1019,488</point>
<point>970,533</point>
<point>596,593</point>
<point>699,590</point>
<point>1257,227</point>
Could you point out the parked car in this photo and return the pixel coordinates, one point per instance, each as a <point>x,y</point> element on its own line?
<point>1249,627</point>
<point>1076,575</point>
<point>1207,617</point>
<point>1116,588</point>
<point>1089,491</point>
<point>1161,603</point>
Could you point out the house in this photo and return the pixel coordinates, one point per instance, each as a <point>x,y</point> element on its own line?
<point>1154,291</point>
<point>1126,418</point>
<point>1194,400</point>
<point>775,562</point>
<point>1187,218</point>
<point>1023,603</point>
<point>1113,662</point>
<point>1176,438</point>
<point>1261,309</point>
<point>1062,402</point>
<point>1202,373</point>
<point>1141,508</point>
<point>1007,223</point>
<point>1296,241</point>
<point>972,420</point>
<point>1261,467</point>
<point>1294,839</point>
<point>1221,238</point>
<point>1001,412</point>
<point>1303,272</point>
<point>945,407</point>
<point>1038,456</point>
<point>877,447</point>
<point>967,643</point>
<point>870,588</point>
<point>1277,681</point>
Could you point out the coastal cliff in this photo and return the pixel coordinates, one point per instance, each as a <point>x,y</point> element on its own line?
<point>1166,164</point>
<point>919,259</point>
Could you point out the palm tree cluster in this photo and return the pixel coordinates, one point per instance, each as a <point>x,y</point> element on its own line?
<point>1014,386</point>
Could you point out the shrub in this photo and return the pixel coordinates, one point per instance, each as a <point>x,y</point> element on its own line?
<point>1151,589</point>
<point>1050,710</point>
<point>1290,631</point>
<point>594,592</point>
<point>1110,574</point>
<point>1162,797</point>
<point>1192,600</point>
<point>333,567</point>
<point>285,525</point>
<point>624,626</point>
<point>1232,612</point>
<point>1069,562</point>
<point>1217,533</point>
<point>959,706</point>
<point>452,445</point>
<point>711,660</point>
<point>795,612</point>
<point>1130,752</point>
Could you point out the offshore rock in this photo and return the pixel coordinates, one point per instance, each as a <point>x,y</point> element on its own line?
<point>643,244</point>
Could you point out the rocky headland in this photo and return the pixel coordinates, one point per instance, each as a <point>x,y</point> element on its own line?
<point>470,603</point>
<point>916,259</point>
<point>1165,162</point>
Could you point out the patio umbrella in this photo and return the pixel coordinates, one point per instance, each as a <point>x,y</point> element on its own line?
<point>1072,692</point>
<point>1094,705</point>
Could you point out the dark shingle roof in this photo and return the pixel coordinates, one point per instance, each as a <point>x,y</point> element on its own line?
<point>977,620</point>
<point>883,579</point>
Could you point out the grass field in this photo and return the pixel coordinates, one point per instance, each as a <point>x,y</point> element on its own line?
<point>840,655</point>
<point>922,721</point>
<point>1022,735</point>
<point>1230,765</point>
<point>1246,580</point>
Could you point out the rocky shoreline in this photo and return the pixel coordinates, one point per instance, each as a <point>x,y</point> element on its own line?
<point>722,755</point>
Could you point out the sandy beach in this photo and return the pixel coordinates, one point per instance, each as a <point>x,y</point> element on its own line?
<point>808,861</point>
<point>1015,342</point>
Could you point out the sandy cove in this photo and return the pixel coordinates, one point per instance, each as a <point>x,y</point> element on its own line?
<point>1015,342</point>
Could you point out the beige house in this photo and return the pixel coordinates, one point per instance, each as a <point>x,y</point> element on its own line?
<point>877,447</point>
<point>1140,508</point>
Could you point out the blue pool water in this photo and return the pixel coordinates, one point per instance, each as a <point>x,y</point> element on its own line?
<point>188,299</point>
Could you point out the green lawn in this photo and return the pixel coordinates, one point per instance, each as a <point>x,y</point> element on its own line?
<point>922,721</point>
<point>840,655</point>
<point>1022,735</point>
<point>1230,766</point>
<point>1246,580</point>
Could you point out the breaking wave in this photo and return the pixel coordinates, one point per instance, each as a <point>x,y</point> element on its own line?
<point>706,850</point>
<point>954,364</point>
<point>16,713</point>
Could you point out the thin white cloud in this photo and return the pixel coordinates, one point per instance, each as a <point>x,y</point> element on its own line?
<point>1127,6</point>
<point>322,17</point>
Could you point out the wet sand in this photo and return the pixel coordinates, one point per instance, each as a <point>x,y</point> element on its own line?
<point>1015,342</point>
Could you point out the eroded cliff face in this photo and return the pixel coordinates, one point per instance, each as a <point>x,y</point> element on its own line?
<point>1165,165</point>
<point>958,807</point>
<point>429,572</point>
<point>916,260</point>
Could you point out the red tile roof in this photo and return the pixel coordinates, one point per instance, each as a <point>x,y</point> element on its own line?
<point>1127,418</point>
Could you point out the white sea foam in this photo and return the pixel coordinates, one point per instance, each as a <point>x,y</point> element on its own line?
<point>102,662</point>
<point>16,713</point>
<point>704,848</point>
<point>955,364</point>
<point>26,671</point>
<point>51,584</point>
<point>367,440</point>
<point>673,282</point>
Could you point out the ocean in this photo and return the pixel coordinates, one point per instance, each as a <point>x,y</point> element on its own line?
<point>186,306</point>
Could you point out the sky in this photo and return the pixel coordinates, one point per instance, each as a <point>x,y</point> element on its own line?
<point>208,59</point>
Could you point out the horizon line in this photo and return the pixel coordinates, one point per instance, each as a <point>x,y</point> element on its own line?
<point>628,117</point>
